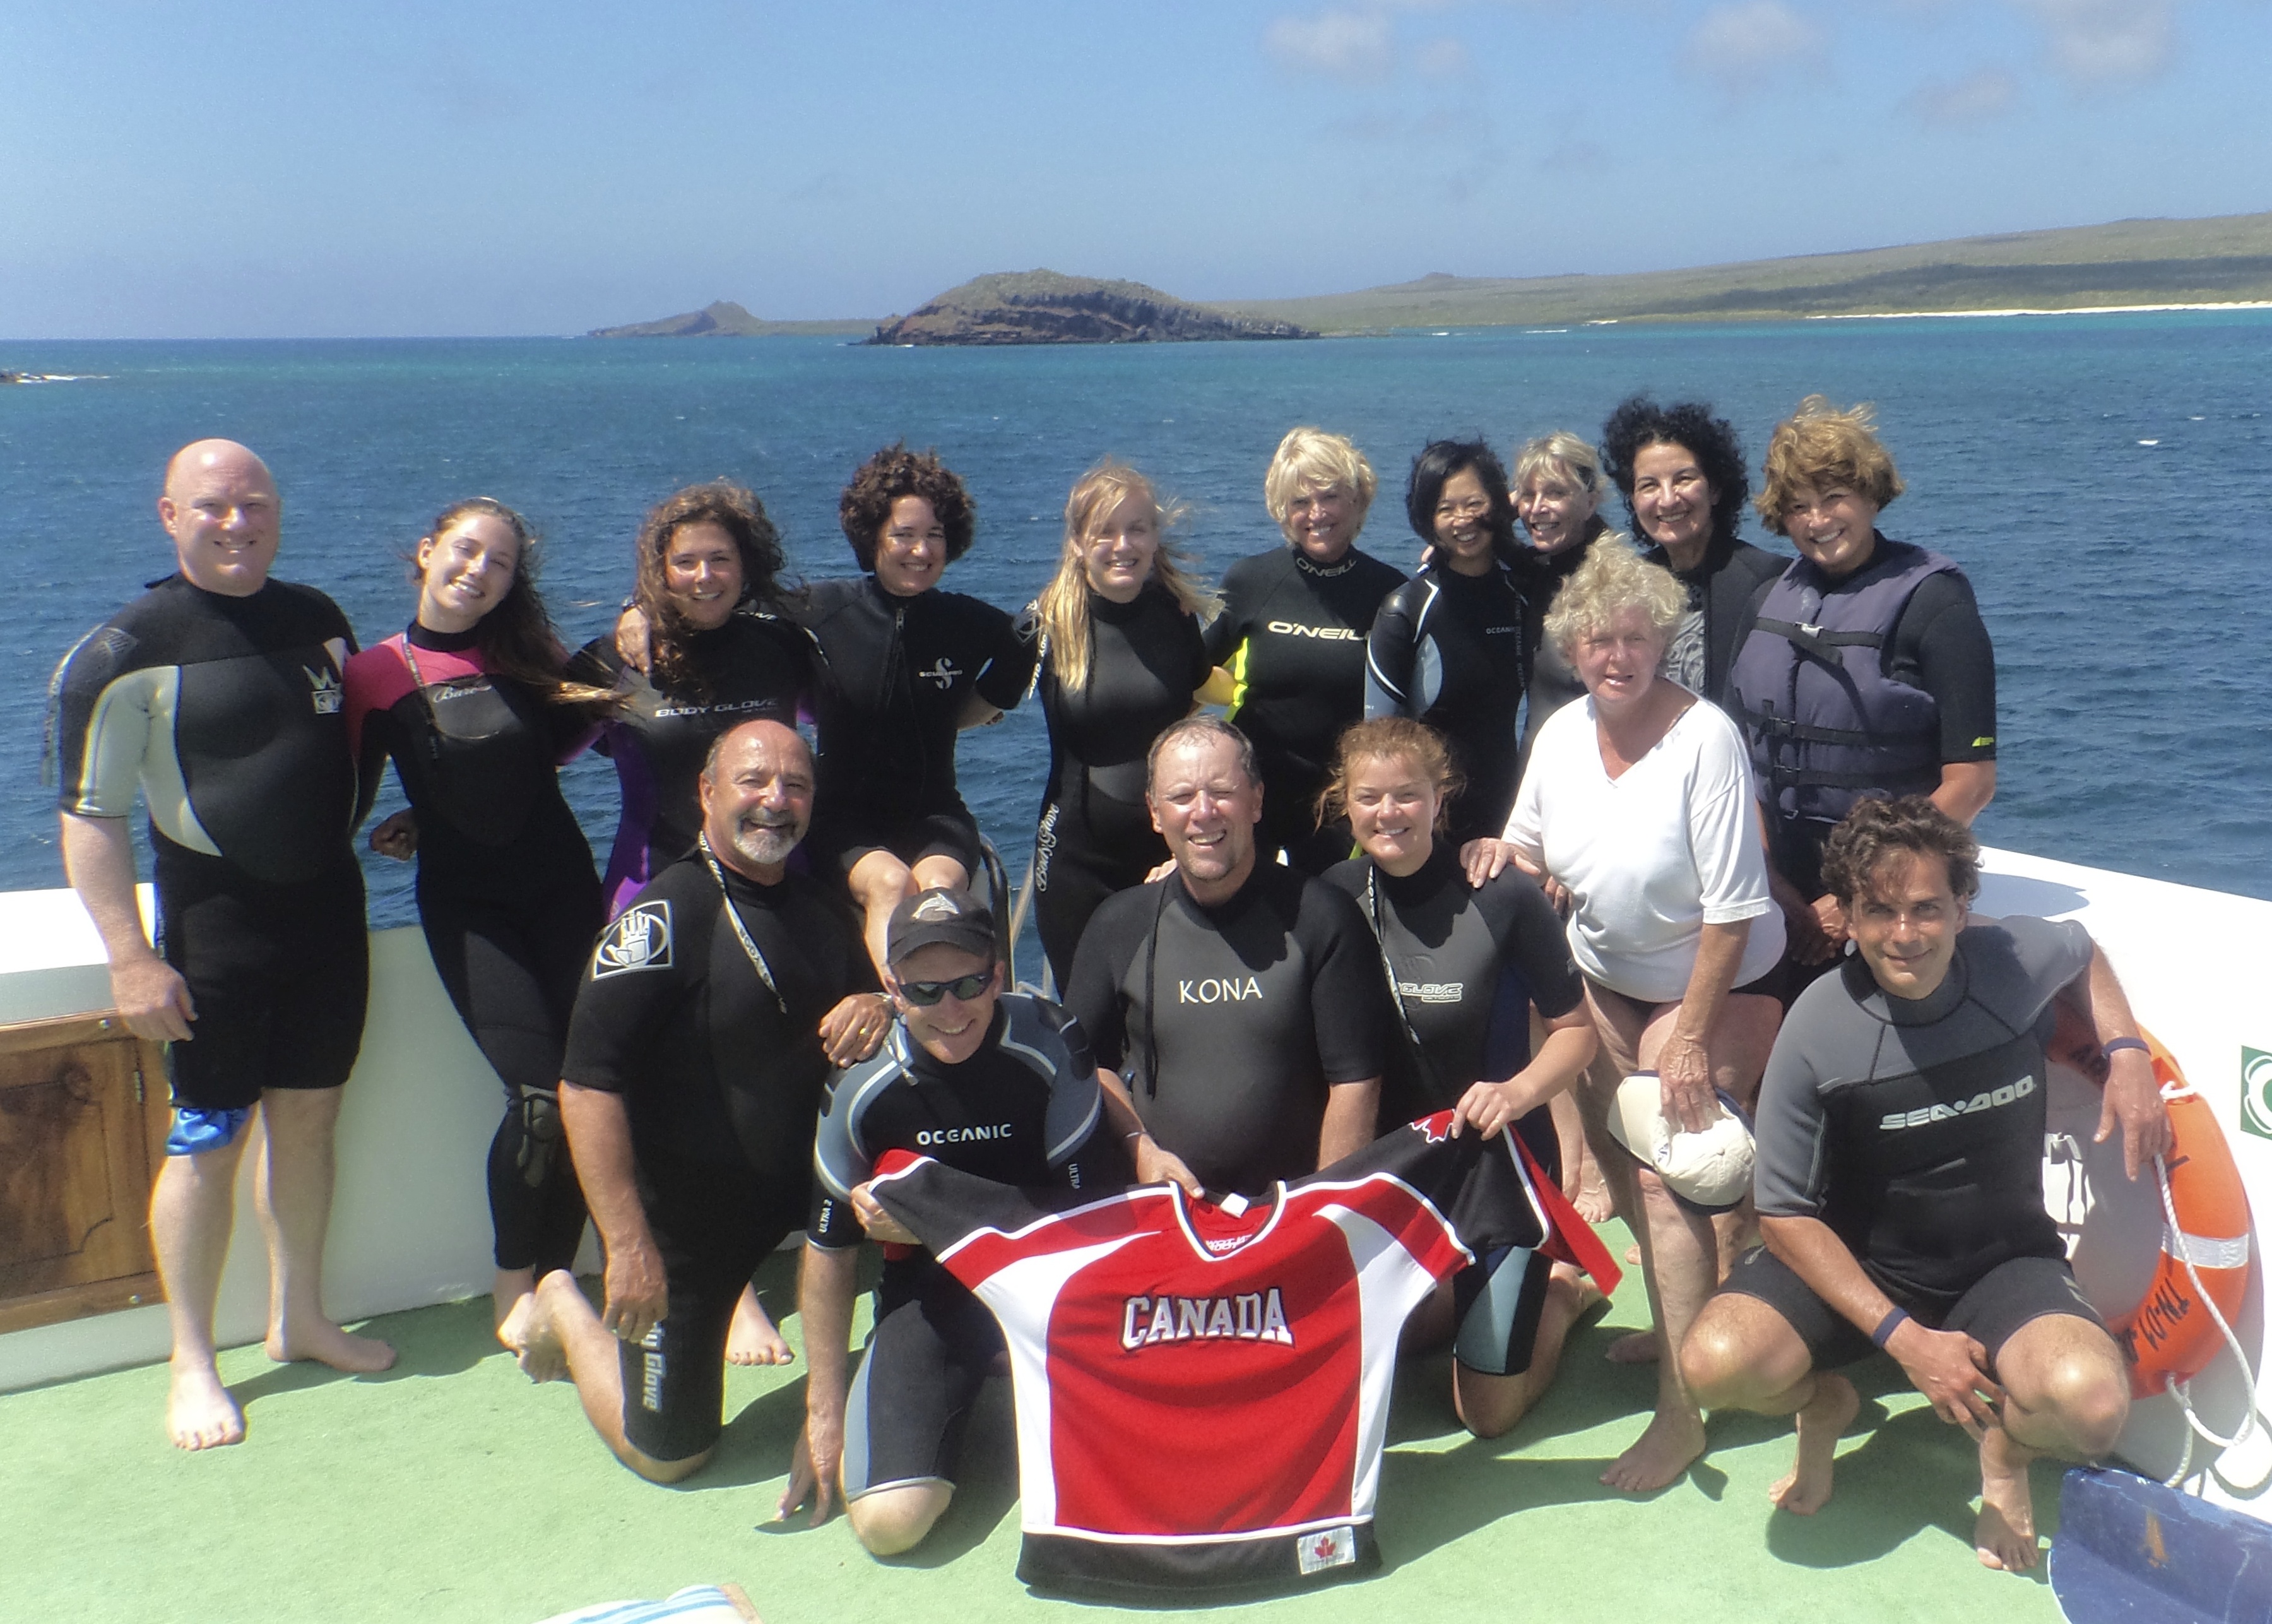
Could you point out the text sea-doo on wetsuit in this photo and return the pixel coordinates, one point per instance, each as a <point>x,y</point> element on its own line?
<point>1292,635</point>
<point>1231,1022</point>
<point>898,674</point>
<point>756,666</point>
<point>1913,1128</point>
<point>1448,649</point>
<point>1146,660</point>
<point>506,894</point>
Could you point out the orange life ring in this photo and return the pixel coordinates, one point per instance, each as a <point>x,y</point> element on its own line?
<point>2170,1335</point>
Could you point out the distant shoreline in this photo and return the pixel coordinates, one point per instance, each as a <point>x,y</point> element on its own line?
<point>2082,310</point>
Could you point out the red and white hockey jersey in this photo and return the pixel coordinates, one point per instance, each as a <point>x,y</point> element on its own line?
<point>1202,1390</point>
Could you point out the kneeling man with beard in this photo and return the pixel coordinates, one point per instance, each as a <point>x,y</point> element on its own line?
<point>713,1012</point>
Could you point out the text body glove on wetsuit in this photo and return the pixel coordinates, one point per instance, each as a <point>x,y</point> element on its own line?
<point>1292,635</point>
<point>755,668</point>
<point>1147,659</point>
<point>506,894</point>
<point>1448,649</point>
<point>897,676</point>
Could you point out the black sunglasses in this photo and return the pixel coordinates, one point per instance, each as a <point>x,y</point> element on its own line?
<point>925,993</point>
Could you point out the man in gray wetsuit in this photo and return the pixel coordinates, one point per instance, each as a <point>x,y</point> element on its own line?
<point>1900,1178</point>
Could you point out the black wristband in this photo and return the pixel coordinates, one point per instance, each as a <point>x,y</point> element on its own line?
<point>2115,1045</point>
<point>1887,1326</point>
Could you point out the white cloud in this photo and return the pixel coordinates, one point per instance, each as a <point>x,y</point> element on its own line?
<point>1979,96</point>
<point>2108,42</point>
<point>1744,45</point>
<point>1343,44</point>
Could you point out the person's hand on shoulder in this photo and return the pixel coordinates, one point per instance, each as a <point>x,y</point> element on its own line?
<point>856,1028</point>
<point>633,640</point>
<point>1486,859</point>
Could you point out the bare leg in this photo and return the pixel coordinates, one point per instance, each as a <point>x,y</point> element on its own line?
<point>293,1181</point>
<point>879,883</point>
<point>891,1521</point>
<point>2068,1394</point>
<point>1742,1355</point>
<point>192,1205</point>
<point>566,1336</point>
<point>753,1338</point>
<point>1581,1179</point>
<point>1491,1405</point>
<point>508,1305</point>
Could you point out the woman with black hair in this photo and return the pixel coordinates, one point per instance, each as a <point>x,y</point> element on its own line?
<point>471,703</point>
<point>1447,646</point>
<point>1681,472</point>
<point>704,646</point>
<point>905,667</point>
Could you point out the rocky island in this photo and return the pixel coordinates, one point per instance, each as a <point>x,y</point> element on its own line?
<point>722,319</point>
<point>1044,307</point>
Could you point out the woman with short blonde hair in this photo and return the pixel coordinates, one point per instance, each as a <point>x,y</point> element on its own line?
<point>1559,489</point>
<point>1121,657</point>
<point>1638,804</point>
<point>1290,642</point>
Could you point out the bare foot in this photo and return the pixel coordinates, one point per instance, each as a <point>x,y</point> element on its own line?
<point>1594,1204</point>
<point>1660,1454</point>
<point>1633,1255</point>
<point>1633,1348</point>
<point>2005,1535</point>
<point>512,1329</point>
<point>753,1338</point>
<point>326,1343</point>
<point>542,1356</point>
<point>200,1412</point>
<point>507,1292</point>
<point>1806,1490</point>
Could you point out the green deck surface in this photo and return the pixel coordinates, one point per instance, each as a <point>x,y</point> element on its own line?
<point>450,1490</point>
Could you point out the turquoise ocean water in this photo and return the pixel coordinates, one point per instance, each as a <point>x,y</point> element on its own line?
<point>2104,481</point>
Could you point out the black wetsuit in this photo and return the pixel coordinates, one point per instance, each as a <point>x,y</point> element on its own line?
<point>1146,660</point>
<point>506,894</point>
<point>1292,634</point>
<point>229,713</point>
<point>1549,681</point>
<point>1723,590</point>
<point>756,666</point>
<point>1231,1022</point>
<point>1914,1129</point>
<point>1448,649</point>
<point>1469,963</point>
<point>720,1076</point>
<point>897,676</point>
<point>1027,1110</point>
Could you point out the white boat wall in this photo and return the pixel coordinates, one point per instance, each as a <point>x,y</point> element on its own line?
<point>410,1221</point>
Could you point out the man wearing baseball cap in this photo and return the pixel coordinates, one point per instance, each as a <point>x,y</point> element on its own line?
<point>1000,1085</point>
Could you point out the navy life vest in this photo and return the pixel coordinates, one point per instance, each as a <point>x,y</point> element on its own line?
<point>1825,722</point>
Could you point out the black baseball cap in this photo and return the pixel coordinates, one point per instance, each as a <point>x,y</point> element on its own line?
<point>940,915</point>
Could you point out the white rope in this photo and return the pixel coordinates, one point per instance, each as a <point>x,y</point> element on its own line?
<point>2181,1390</point>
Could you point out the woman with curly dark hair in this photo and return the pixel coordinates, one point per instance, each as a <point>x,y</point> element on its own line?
<point>1681,472</point>
<point>1447,646</point>
<point>905,667</point>
<point>705,647</point>
<point>471,702</point>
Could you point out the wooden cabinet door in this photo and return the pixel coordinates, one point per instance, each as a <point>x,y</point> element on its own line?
<point>83,1116</point>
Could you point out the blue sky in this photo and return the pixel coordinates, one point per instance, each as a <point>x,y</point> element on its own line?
<point>246,170</point>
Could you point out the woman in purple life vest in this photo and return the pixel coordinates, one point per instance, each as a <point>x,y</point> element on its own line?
<point>1866,671</point>
<point>472,703</point>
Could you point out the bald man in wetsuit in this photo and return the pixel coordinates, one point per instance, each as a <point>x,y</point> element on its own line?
<point>217,694</point>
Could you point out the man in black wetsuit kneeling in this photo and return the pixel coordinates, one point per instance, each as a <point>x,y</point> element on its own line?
<point>217,693</point>
<point>709,1016</point>
<point>1899,1179</point>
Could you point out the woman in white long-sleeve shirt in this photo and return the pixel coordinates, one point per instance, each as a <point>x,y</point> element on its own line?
<point>1638,802</point>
